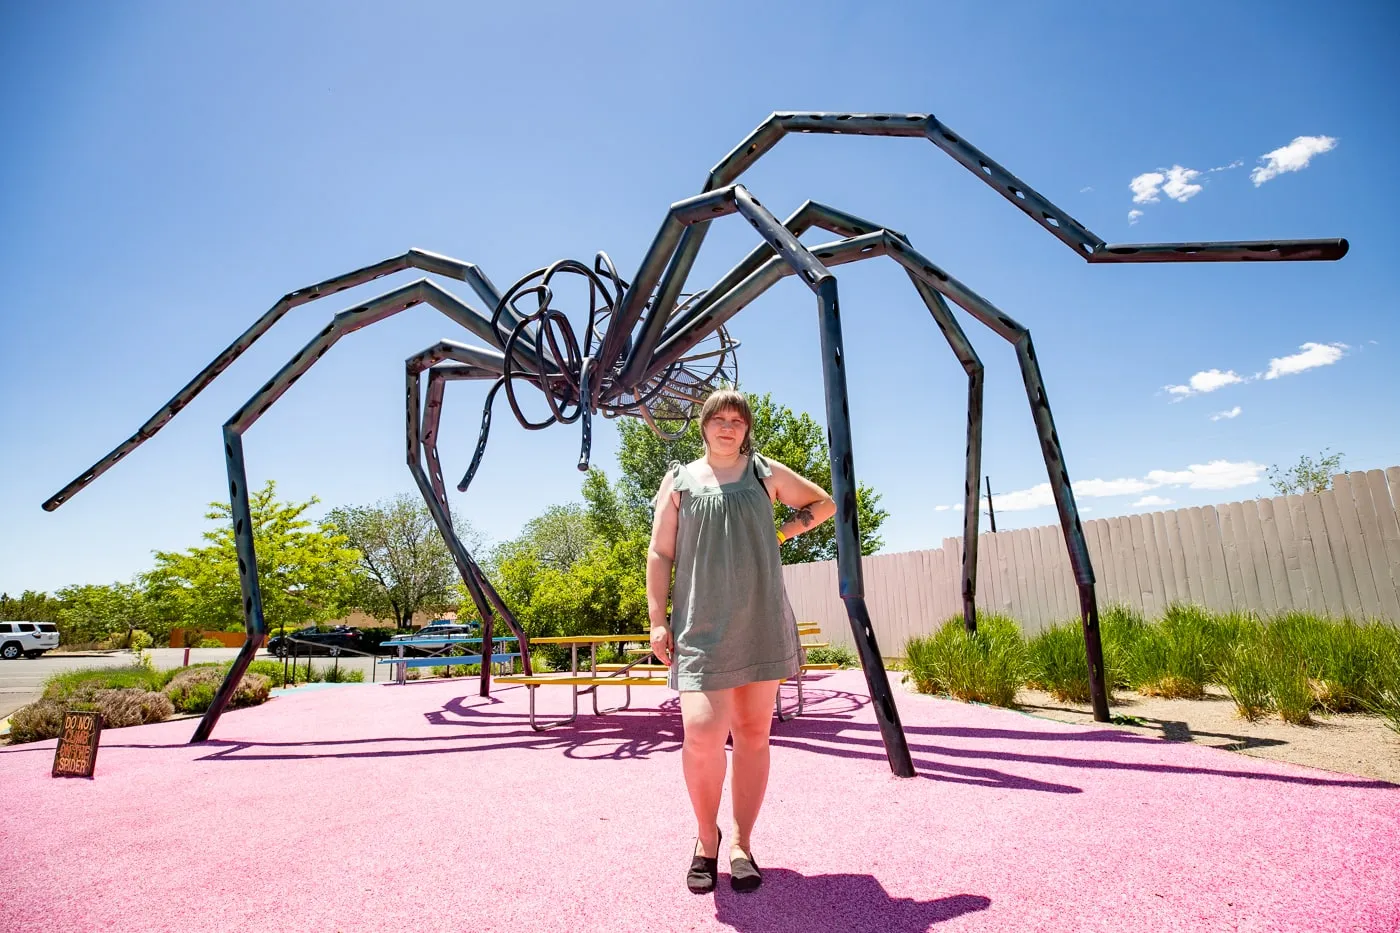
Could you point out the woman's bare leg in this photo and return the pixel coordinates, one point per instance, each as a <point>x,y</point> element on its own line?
<point>706,716</point>
<point>751,718</point>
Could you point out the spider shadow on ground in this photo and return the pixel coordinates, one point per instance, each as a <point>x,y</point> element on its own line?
<point>789,902</point>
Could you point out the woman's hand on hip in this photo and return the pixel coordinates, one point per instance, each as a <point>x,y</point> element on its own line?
<point>661,643</point>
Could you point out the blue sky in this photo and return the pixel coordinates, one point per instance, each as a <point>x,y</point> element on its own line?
<point>171,169</point>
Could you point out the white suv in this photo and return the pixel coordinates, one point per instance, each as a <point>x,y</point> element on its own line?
<point>30,639</point>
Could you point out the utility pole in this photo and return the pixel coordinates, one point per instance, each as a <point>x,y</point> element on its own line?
<point>991,512</point>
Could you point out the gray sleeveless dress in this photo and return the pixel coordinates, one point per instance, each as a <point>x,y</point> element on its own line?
<point>730,618</point>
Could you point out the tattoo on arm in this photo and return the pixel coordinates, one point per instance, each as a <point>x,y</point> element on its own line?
<point>803,515</point>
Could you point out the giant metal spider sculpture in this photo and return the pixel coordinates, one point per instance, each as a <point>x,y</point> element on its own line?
<point>648,350</point>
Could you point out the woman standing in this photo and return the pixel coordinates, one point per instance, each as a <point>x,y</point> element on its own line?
<point>730,638</point>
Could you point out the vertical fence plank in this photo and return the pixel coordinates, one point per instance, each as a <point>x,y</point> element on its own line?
<point>987,561</point>
<point>1307,560</point>
<point>1053,542</point>
<point>1253,551</point>
<point>1327,569</point>
<point>1152,562</point>
<point>1171,524</point>
<point>1241,594</point>
<point>1039,577</point>
<point>1354,488</point>
<point>1098,555</point>
<point>1190,557</point>
<point>1138,545</point>
<point>1215,549</point>
<point>1288,584</point>
<point>1356,545</point>
<point>1392,479</point>
<point>1122,545</point>
<point>1388,522</point>
<point>1205,571</point>
<point>1341,554</point>
<point>1163,550</point>
<point>1017,571</point>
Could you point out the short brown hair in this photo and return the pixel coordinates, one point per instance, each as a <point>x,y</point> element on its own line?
<point>728,400</point>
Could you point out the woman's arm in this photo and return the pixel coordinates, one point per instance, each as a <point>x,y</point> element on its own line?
<point>661,555</point>
<point>810,503</point>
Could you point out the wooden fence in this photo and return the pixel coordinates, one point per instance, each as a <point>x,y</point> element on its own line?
<point>1335,553</point>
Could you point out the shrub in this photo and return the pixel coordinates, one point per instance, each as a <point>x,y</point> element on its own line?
<point>1056,662</point>
<point>343,675</point>
<point>1245,674</point>
<point>836,654</point>
<point>1120,627</point>
<point>192,689</point>
<point>1177,658</point>
<point>986,667</point>
<point>272,670</point>
<point>83,683</point>
<point>140,640</point>
<point>209,643</point>
<point>1289,688</point>
<point>132,707</point>
<point>42,719</point>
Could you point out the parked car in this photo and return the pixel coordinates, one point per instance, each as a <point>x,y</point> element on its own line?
<point>309,641</point>
<point>30,639</point>
<point>438,628</point>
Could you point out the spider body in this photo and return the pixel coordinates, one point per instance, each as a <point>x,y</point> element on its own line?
<point>648,349</point>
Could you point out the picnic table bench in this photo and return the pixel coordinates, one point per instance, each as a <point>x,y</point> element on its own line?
<point>606,675</point>
<point>626,675</point>
<point>439,659</point>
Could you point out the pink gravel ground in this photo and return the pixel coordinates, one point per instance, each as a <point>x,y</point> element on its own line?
<point>424,807</point>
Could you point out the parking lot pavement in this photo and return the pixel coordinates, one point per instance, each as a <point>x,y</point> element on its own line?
<point>22,681</point>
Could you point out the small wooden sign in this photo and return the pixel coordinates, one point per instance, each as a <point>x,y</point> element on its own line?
<point>76,754</point>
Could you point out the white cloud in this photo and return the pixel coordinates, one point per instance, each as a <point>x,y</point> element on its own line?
<point>1146,187</point>
<point>1086,189</point>
<point>1225,415</point>
<point>1133,216</point>
<point>1111,487</point>
<point>1207,380</point>
<point>1311,356</point>
<point>941,508</point>
<point>1293,157</point>
<point>1179,186</point>
<point>1023,499</point>
<point>1218,474</point>
<point>1225,168</point>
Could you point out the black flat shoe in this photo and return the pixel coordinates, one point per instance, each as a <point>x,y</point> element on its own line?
<point>704,872</point>
<point>743,873</point>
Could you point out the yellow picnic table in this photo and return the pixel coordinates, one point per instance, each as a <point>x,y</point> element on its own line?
<point>614,676</point>
<point>625,675</point>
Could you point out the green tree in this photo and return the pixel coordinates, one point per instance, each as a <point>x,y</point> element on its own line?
<point>560,536</point>
<point>30,606</point>
<point>96,612</point>
<point>779,433</point>
<point>609,513</point>
<point>405,565</point>
<point>1307,475</point>
<point>307,572</point>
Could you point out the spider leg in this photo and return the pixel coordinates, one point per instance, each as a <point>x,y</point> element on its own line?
<point>883,242</point>
<point>674,249</point>
<point>799,260</point>
<point>377,309</point>
<point>421,436</point>
<point>413,259</point>
<point>699,320</point>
